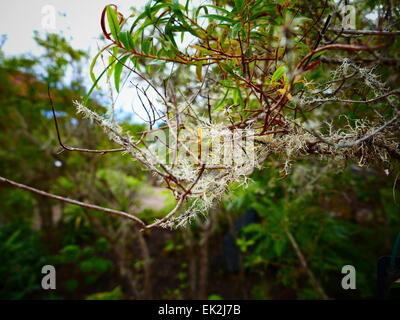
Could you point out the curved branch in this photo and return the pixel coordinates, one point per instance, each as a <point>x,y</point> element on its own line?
<point>346,47</point>
<point>71,201</point>
<point>390,93</point>
<point>366,32</point>
<point>68,148</point>
<point>169,215</point>
<point>351,144</point>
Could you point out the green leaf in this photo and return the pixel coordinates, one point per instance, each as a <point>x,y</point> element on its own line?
<point>304,49</point>
<point>318,54</point>
<point>176,8</point>
<point>12,238</point>
<point>219,9</point>
<point>146,45</point>
<point>235,29</point>
<point>168,32</point>
<point>147,8</point>
<point>220,104</point>
<point>218,17</point>
<point>198,11</point>
<point>113,22</point>
<point>257,3</point>
<point>227,68</point>
<point>187,6</point>
<point>92,75</point>
<point>278,73</point>
<point>136,64</point>
<point>95,83</point>
<point>139,31</point>
<point>227,83</point>
<point>202,50</point>
<point>199,68</point>
<point>239,4</point>
<point>148,68</point>
<point>262,14</point>
<point>279,246</point>
<point>112,59</point>
<point>118,70</point>
<point>237,97</point>
<point>126,40</point>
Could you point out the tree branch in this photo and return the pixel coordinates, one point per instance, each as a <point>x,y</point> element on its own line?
<point>391,93</point>
<point>346,47</point>
<point>72,148</point>
<point>366,32</point>
<point>352,144</point>
<point>74,202</point>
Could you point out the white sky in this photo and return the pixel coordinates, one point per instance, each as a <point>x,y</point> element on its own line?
<point>77,20</point>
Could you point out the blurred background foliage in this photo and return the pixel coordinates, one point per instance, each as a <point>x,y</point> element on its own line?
<point>328,215</point>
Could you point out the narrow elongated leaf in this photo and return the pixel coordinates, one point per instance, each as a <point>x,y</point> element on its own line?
<point>118,71</point>
<point>149,13</point>
<point>278,73</point>
<point>136,64</point>
<point>187,6</point>
<point>92,75</point>
<point>178,13</point>
<point>198,12</point>
<point>221,103</point>
<point>146,43</point>
<point>126,39</point>
<point>227,83</point>
<point>199,68</point>
<point>237,97</point>
<point>239,4</point>
<point>318,54</point>
<point>218,17</point>
<point>201,49</point>
<point>168,32</point>
<point>236,28</point>
<point>112,59</point>
<point>113,22</point>
<point>148,8</point>
<point>219,9</point>
<point>95,83</point>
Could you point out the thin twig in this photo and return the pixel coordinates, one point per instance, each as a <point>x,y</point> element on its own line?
<point>71,201</point>
<point>68,148</point>
<point>345,47</point>
<point>391,93</point>
<point>315,283</point>
<point>169,215</point>
<point>366,32</point>
<point>352,144</point>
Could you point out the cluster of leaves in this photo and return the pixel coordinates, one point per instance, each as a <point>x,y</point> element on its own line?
<point>22,257</point>
<point>31,233</point>
<point>254,56</point>
<point>88,260</point>
<point>233,41</point>
<point>238,39</point>
<point>332,228</point>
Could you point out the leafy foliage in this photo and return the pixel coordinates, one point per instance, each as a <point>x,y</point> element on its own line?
<point>224,62</point>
